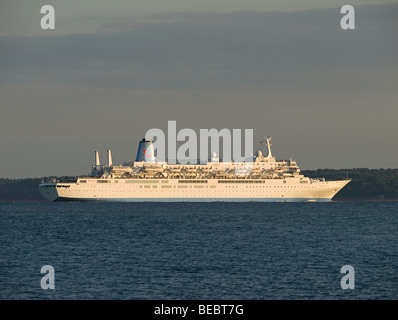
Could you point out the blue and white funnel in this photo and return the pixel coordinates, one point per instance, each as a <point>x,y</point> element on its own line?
<point>145,151</point>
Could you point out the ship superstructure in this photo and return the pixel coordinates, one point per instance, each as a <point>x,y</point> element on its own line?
<point>263,178</point>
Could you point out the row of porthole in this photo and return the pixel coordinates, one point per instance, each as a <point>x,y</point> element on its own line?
<point>269,186</point>
<point>203,187</point>
<point>196,191</point>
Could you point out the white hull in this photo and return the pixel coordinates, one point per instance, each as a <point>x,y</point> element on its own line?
<point>150,190</point>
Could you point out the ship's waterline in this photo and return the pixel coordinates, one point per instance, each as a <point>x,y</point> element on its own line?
<point>263,179</point>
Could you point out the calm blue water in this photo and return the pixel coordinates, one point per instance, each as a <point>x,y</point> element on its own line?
<point>199,250</point>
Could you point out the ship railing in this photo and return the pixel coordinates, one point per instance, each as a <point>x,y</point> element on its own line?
<point>53,180</point>
<point>204,175</point>
<point>49,180</point>
<point>67,180</point>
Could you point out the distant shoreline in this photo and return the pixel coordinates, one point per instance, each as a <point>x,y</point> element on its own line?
<point>366,185</point>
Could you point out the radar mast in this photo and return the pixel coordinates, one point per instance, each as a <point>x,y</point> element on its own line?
<point>267,140</point>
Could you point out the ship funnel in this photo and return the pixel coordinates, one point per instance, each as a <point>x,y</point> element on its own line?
<point>109,158</point>
<point>97,161</point>
<point>145,151</point>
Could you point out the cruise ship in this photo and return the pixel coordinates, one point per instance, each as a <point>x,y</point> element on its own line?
<point>146,180</point>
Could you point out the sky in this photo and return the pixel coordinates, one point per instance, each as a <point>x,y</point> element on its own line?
<point>111,70</point>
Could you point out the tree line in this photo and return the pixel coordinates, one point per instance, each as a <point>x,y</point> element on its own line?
<point>366,184</point>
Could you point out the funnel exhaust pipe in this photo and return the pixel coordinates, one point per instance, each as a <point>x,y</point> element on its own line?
<point>97,161</point>
<point>109,158</point>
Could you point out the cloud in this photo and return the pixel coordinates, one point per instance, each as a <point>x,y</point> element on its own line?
<point>319,90</point>
<point>208,50</point>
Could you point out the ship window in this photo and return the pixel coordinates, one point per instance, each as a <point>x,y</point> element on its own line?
<point>142,181</point>
<point>192,181</point>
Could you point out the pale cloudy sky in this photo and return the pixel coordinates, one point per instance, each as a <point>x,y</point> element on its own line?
<point>112,70</point>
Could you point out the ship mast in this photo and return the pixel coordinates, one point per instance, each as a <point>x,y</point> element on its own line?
<point>269,144</point>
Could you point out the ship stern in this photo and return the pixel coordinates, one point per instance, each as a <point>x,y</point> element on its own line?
<point>49,191</point>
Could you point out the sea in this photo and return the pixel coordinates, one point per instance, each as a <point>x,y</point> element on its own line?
<point>341,250</point>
